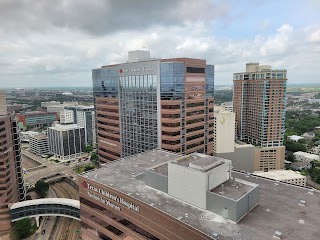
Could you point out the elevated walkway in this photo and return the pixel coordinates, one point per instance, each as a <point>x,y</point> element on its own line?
<point>45,207</point>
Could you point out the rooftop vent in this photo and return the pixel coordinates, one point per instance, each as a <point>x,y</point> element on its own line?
<point>277,234</point>
<point>302,203</point>
<point>301,221</point>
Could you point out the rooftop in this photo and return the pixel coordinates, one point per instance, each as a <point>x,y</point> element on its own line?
<point>40,136</point>
<point>62,127</point>
<point>280,174</point>
<point>304,154</point>
<point>278,208</point>
<point>233,188</point>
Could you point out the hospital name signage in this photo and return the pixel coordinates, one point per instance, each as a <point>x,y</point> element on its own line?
<point>111,197</point>
<point>144,69</point>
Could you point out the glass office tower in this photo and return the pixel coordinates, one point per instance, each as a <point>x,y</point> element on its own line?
<point>153,103</point>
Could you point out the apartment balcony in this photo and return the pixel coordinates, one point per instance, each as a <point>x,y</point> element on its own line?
<point>171,147</point>
<point>170,111</point>
<point>194,149</point>
<point>195,116</point>
<point>171,120</point>
<point>108,155</point>
<point>194,132</point>
<point>196,108</point>
<point>171,129</point>
<point>196,124</point>
<point>103,119</point>
<point>107,113</point>
<point>107,127</point>
<point>171,138</point>
<point>196,140</point>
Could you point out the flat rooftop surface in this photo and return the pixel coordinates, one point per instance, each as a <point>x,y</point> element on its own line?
<point>278,209</point>
<point>280,175</point>
<point>232,189</point>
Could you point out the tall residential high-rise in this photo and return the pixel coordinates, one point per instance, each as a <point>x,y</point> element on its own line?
<point>151,103</point>
<point>259,100</point>
<point>11,174</point>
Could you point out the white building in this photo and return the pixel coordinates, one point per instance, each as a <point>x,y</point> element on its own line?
<point>84,116</point>
<point>3,103</point>
<point>311,101</point>
<point>305,157</point>
<point>66,142</point>
<point>288,176</point>
<point>25,136</point>
<point>224,131</point>
<point>228,106</point>
<point>39,144</point>
<point>51,103</point>
<point>55,108</point>
<point>66,116</point>
<point>295,138</point>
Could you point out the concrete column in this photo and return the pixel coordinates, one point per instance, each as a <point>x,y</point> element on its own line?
<point>37,221</point>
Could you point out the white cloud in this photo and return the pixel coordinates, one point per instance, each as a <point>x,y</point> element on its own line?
<point>63,52</point>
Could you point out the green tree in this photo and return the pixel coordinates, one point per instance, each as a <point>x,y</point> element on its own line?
<point>88,168</point>
<point>41,188</point>
<point>94,156</point>
<point>290,157</point>
<point>89,148</point>
<point>22,228</point>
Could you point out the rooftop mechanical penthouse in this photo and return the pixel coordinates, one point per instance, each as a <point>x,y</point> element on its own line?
<point>162,195</point>
<point>151,103</point>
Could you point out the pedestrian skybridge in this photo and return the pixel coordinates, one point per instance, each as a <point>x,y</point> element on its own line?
<point>46,207</point>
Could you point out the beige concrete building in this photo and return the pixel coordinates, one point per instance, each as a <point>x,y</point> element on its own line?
<point>269,158</point>
<point>287,176</point>
<point>224,131</point>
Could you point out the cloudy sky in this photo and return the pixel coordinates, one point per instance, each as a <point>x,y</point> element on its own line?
<point>56,43</point>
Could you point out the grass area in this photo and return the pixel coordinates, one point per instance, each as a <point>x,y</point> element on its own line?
<point>84,168</point>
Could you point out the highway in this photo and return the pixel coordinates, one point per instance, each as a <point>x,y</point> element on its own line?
<point>38,168</point>
<point>66,228</point>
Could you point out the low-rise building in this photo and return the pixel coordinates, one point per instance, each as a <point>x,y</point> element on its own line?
<point>36,119</point>
<point>300,165</point>
<point>39,144</point>
<point>66,142</point>
<point>25,136</point>
<point>305,157</point>
<point>51,103</point>
<point>294,138</point>
<point>287,176</point>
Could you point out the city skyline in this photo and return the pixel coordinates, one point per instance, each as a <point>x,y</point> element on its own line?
<point>58,47</point>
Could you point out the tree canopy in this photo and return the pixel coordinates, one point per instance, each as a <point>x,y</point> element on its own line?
<point>41,188</point>
<point>22,229</point>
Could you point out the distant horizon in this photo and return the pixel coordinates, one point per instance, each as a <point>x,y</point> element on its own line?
<point>86,87</point>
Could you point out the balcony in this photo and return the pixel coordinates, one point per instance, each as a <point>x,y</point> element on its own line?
<point>102,119</point>
<point>194,149</point>
<point>170,111</point>
<point>195,116</point>
<point>171,120</point>
<point>107,113</point>
<point>171,147</point>
<point>171,138</point>
<point>107,127</point>
<point>194,132</point>
<point>196,108</point>
<point>171,129</point>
